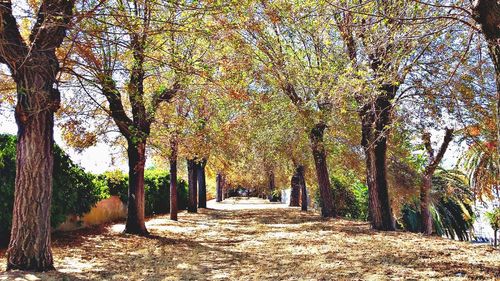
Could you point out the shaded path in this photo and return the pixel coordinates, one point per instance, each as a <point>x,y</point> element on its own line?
<point>255,240</point>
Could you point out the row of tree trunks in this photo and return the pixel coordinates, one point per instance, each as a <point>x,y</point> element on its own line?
<point>192,186</point>
<point>319,153</point>
<point>202,185</point>
<point>375,120</point>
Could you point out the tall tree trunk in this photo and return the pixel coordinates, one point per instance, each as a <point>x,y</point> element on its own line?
<point>136,163</point>
<point>192,186</point>
<point>202,186</point>
<point>34,70</point>
<point>29,247</point>
<point>303,188</point>
<point>173,182</point>
<point>295,188</point>
<point>426,186</point>
<point>425,189</point>
<point>218,187</point>
<point>319,153</point>
<point>375,120</point>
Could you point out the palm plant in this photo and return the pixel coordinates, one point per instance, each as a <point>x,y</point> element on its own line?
<point>451,206</point>
<point>482,164</point>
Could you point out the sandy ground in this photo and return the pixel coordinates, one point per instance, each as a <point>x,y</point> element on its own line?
<point>250,239</point>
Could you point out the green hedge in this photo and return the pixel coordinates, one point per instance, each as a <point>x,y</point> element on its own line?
<point>7,178</point>
<point>74,191</point>
<point>156,189</point>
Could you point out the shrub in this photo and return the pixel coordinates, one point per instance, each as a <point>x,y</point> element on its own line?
<point>350,200</point>
<point>74,191</point>
<point>114,183</point>
<point>156,190</point>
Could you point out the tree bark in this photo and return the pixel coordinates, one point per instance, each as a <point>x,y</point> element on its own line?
<point>29,247</point>
<point>192,186</point>
<point>218,187</point>
<point>319,153</point>
<point>202,186</point>
<point>173,182</point>
<point>295,188</point>
<point>135,211</point>
<point>425,189</point>
<point>34,71</point>
<point>375,119</point>
<point>303,188</point>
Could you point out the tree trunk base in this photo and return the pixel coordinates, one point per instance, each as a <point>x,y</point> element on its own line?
<point>136,230</point>
<point>40,264</point>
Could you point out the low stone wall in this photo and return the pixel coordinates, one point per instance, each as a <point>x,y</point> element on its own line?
<point>106,210</point>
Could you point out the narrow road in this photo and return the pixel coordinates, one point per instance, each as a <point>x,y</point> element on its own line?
<point>252,239</point>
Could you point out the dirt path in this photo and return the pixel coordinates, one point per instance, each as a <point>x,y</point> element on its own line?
<point>254,240</point>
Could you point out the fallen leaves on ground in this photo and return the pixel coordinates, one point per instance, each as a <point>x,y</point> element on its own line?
<point>249,239</point>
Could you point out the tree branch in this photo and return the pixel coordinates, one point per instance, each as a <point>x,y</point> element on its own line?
<point>434,162</point>
<point>50,27</point>
<point>12,47</point>
<point>118,113</point>
<point>166,95</point>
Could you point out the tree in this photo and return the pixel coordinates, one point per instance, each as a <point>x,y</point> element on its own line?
<point>494,219</point>
<point>387,50</point>
<point>34,66</point>
<point>131,28</point>
<point>292,44</point>
<point>426,185</point>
